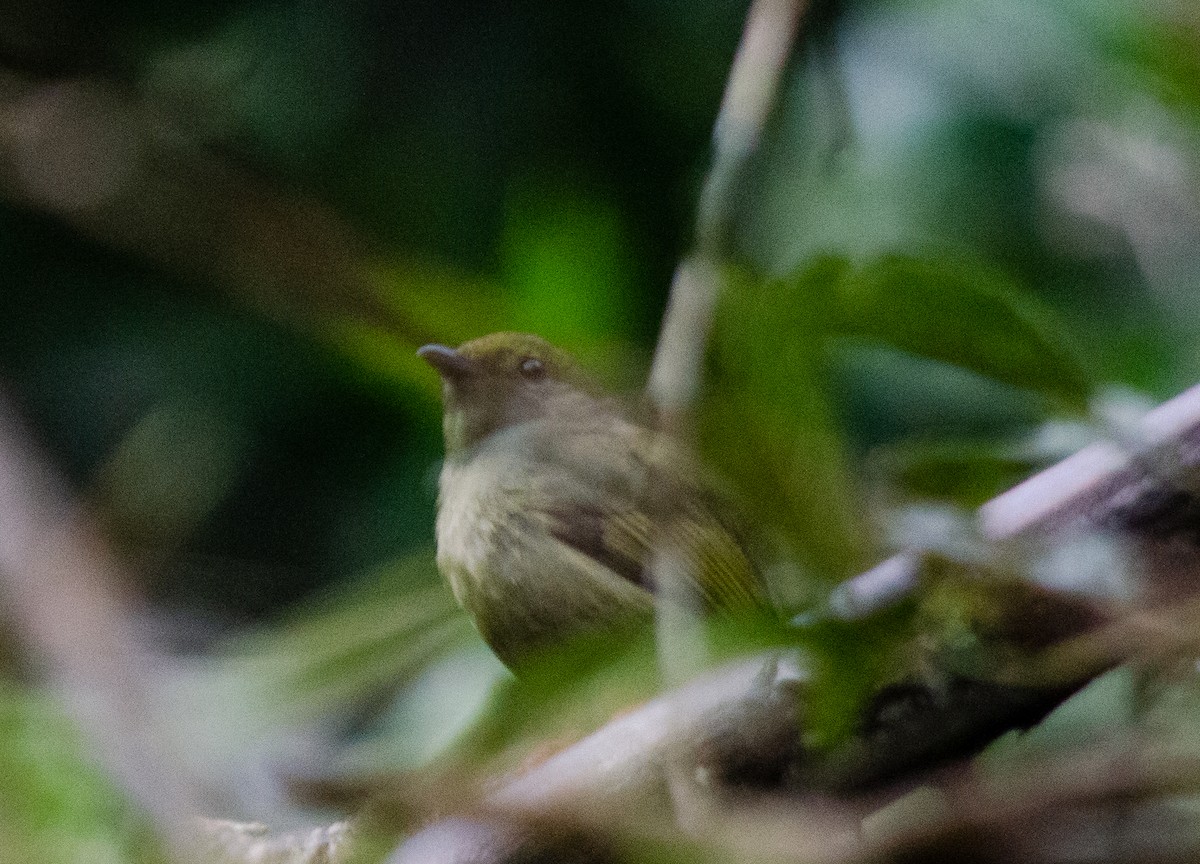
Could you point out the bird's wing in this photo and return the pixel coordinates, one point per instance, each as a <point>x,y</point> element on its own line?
<point>635,503</point>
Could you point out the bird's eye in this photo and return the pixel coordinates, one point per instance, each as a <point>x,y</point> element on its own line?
<point>533,369</point>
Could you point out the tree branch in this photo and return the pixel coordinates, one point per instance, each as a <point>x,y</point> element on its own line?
<point>1106,480</point>
<point>63,588</point>
<point>750,94</point>
<point>121,171</point>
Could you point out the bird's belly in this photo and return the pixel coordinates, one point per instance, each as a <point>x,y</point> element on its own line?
<point>524,588</point>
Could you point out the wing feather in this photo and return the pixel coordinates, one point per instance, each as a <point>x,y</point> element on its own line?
<point>623,514</point>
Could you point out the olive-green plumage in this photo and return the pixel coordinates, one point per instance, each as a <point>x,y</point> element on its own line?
<point>553,503</point>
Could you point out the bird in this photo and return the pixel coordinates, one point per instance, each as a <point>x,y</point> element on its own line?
<point>556,507</point>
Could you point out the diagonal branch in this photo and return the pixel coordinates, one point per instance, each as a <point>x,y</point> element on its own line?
<point>120,170</point>
<point>1106,479</point>
<point>62,587</point>
<point>750,94</point>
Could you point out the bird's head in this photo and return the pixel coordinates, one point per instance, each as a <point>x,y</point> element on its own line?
<point>502,380</point>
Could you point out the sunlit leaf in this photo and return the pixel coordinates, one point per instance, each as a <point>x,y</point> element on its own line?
<point>567,263</point>
<point>445,304</point>
<point>568,270</point>
<point>852,661</point>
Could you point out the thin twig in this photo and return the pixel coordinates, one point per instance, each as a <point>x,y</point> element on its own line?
<point>245,842</point>
<point>621,774</point>
<point>1046,804</point>
<point>750,94</point>
<point>620,765</point>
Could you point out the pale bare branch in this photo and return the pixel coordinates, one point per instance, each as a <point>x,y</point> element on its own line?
<point>64,590</point>
<point>750,94</point>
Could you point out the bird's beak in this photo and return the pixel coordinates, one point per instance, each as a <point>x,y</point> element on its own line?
<point>448,362</point>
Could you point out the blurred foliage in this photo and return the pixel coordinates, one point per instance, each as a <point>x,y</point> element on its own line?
<point>965,223</point>
<point>55,804</point>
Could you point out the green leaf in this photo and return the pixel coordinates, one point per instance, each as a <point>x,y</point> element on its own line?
<point>962,472</point>
<point>852,660</point>
<point>955,620</point>
<point>377,634</point>
<point>768,424</point>
<point>965,314</point>
<point>444,304</point>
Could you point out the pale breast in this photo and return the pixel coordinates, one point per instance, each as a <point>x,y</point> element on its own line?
<point>497,551</point>
<point>466,527</point>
